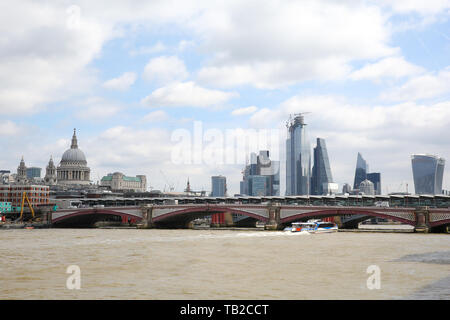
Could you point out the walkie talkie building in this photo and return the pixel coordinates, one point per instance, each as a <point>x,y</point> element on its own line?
<point>428,173</point>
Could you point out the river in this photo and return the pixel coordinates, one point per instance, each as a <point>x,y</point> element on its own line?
<point>222,264</point>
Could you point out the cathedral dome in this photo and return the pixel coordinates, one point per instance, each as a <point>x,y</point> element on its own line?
<point>73,167</point>
<point>73,155</point>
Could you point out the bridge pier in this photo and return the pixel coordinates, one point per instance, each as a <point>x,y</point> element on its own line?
<point>422,215</point>
<point>274,217</point>
<point>147,217</point>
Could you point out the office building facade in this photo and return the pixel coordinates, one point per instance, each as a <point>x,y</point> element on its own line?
<point>117,181</point>
<point>428,173</point>
<point>261,177</point>
<point>298,157</point>
<point>375,178</point>
<point>37,194</point>
<point>218,186</point>
<point>361,171</point>
<point>321,179</point>
<point>33,172</point>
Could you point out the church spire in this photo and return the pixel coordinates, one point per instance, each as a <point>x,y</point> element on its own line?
<point>74,144</point>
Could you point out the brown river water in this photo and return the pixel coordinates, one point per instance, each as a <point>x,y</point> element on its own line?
<point>222,264</point>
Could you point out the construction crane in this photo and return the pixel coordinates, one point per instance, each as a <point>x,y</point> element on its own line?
<point>25,197</point>
<point>171,188</point>
<point>293,117</point>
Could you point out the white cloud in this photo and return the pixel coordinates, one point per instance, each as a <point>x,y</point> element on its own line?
<point>244,111</point>
<point>164,70</point>
<point>305,40</point>
<point>96,109</point>
<point>418,6</point>
<point>122,82</point>
<point>187,94</point>
<point>156,48</point>
<point>9,128</point>
<point>391,67</point>
<point>421,87</point>
<point>155,116</point>
<point>42,60</point>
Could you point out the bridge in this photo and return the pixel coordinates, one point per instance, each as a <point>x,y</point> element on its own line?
<point>273,214</point>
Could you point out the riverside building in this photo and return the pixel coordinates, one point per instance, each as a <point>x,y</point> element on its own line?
<point>117,181</point>
<point>37,194</point>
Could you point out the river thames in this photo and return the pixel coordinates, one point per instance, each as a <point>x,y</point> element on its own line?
<point>222,264</point>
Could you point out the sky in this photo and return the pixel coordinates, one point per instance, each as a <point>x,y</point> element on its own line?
<point>187,89</point>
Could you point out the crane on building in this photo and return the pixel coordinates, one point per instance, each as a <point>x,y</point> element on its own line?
<point>293,117</point>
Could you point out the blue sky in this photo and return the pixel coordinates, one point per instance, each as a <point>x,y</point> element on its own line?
<point>375,76</point>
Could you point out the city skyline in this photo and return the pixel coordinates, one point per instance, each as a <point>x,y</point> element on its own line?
<point>127,78</point>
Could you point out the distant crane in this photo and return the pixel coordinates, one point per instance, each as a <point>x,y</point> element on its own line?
<point>171,188</point>
<point>401,185</point>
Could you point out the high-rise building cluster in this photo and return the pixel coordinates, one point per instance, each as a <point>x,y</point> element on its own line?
<point>300,179</point>
<point>365,182</point>
<point>261,177</point>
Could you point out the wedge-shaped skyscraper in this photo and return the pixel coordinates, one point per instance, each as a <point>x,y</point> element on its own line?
<point>321,171</point>
<point>361,171</point>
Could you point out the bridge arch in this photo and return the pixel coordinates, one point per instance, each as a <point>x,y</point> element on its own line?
<point>340,212</point>
<point>90,216</point>
<point>188,214</point>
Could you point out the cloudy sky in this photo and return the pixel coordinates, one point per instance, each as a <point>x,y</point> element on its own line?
<point>132,75</point>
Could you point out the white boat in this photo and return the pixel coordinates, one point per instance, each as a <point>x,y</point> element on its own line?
<point>313,226</point>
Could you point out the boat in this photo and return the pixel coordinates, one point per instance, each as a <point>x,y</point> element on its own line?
<point>313,226</point>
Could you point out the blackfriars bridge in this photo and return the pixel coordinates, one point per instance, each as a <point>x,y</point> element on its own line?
<point>433,213</point>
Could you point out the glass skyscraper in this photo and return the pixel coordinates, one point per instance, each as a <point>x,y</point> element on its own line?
<point>261,177</point>
<point>298,157</point>
<point>361,171</point>
<point>321,171</point>
<point>375,178</point>
<point>33,172</point>
<point>428,173</point>
<point>219,186</point>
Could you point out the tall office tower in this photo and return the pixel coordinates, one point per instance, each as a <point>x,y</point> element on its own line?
<point>261,177</point>
<point>375,178</point>
<point>219,186</point>
<point>33,172</point>
<point>321,171</point>
<point>428,173</point>
<point>361,171</point>
<point>298,157</point>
